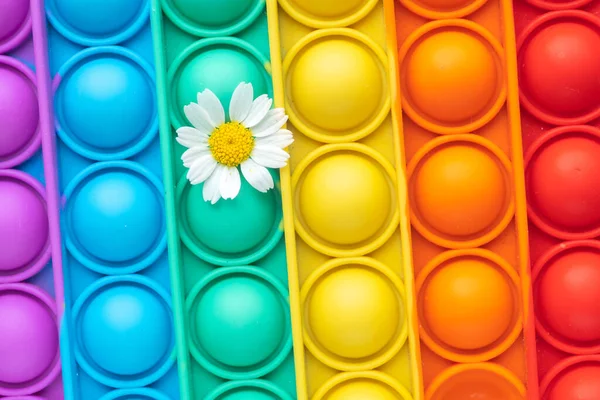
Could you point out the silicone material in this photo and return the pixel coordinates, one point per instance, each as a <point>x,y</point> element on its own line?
<point>561,137</point>
<point>117,338</point>
<point>462,143</point>
<point>228,260</point>
<point>344,196</point>
<point>30,254</point>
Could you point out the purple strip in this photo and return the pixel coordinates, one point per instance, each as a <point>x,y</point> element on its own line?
<point>40,46</point>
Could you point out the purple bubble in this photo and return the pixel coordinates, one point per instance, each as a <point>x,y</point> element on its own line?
<point>28,336</point>
<point>13,17</point>
<point>18,109</point>
<point>23,224</point>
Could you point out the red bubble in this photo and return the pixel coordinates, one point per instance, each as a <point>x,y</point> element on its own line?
<point>578,383</point>
<point>564,183</point>
<point>568,295</point>
<point>560,68</point>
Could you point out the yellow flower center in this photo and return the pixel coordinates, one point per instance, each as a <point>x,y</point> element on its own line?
<point>231,144</point>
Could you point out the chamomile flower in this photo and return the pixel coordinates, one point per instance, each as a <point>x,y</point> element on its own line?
<point>252,140</point>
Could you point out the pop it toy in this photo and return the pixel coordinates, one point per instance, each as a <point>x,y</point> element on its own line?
<point>347,236</point>
<point>117,337</point>
<point>462,142</point>
<point>30,253</point>
<point>559,78</point>
<point>228,259</point>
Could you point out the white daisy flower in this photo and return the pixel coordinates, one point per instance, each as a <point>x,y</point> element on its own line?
<point>252,140</point>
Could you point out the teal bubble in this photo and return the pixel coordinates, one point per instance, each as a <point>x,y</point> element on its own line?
<point>213,13</point>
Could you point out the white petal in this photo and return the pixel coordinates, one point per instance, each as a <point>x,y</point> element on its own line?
<point>283,138</point>
<point>199,118</point>
<point>257,175</point>
<point>190,155</point>
<point>190,137</point>
<point>211,191</point>
<point>258,111</point>
<point>241,102</point>
<point>210,102</point>
<point>272,123</point>
<point>270,156</point>
<point>230,183</point>
<point>201,169</point>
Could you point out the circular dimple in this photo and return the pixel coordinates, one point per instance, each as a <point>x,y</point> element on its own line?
<point>218,64</point>
<point>370,385</point>
<point>559,70</point>
<point>230,232</point>
<point>328,14</point>
<point>443,9</point>
<point>135,394</point>
<point>248,390</point>
<point>570,321</point>
<point>359,296</point>
<point>574,378</point>
<point>469,305</point>
<point>24,244</point>
<point>209,18</point>
<point>452,76</point>
<point>105,104</point>
<point>563,185</point>
<point>115,218</point>
<point>15,24</point>
<point>476,381</point>
<point>28,340</point>
<point>345,201</point>
<point>19,113</point>
<point>98,22</point>
<point>337,85</point>
<point>124,331</point>
<point>239,323</point>
<point>460,191</point>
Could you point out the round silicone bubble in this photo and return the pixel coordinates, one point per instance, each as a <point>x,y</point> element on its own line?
<point>105,103</point>
<point>24,239</point>
<point>124,331</point>
<point>328,14</point>
<point>563,186</point>
<point>248,389</point>
<point>239,323</point>
<point>337,85</point>
<point>135,394</point>
<point>19,112</point>
<point>555,5</point>
<point>29,348</point>
<point>559,69</point>
<point>114,219</point>
<point>572,378</point>
<point>345,200</point>
<point>230,232</point>
<point>15,24</point>
<point>208,18</point>
<point>478,380</point>
<point>469,305</point>
<point>566,298</point>
<point>460,191</point>
<point>98,22</point>
<point>443,9</point>
<point>218,64</point>
<point>452,76</point>
<point>358,295</point>
<point>362,385</point>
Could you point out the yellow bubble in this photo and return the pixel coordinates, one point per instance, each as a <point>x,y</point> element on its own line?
<point>329,8</point>
<point>353,312</point>
<point>345,198</point>
<point>362,390</point>
<point>336,84</point>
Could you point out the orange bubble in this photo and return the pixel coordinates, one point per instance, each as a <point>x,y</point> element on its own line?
<point>459,190</point>
<point>451,76</point>
<point>468,303</point>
